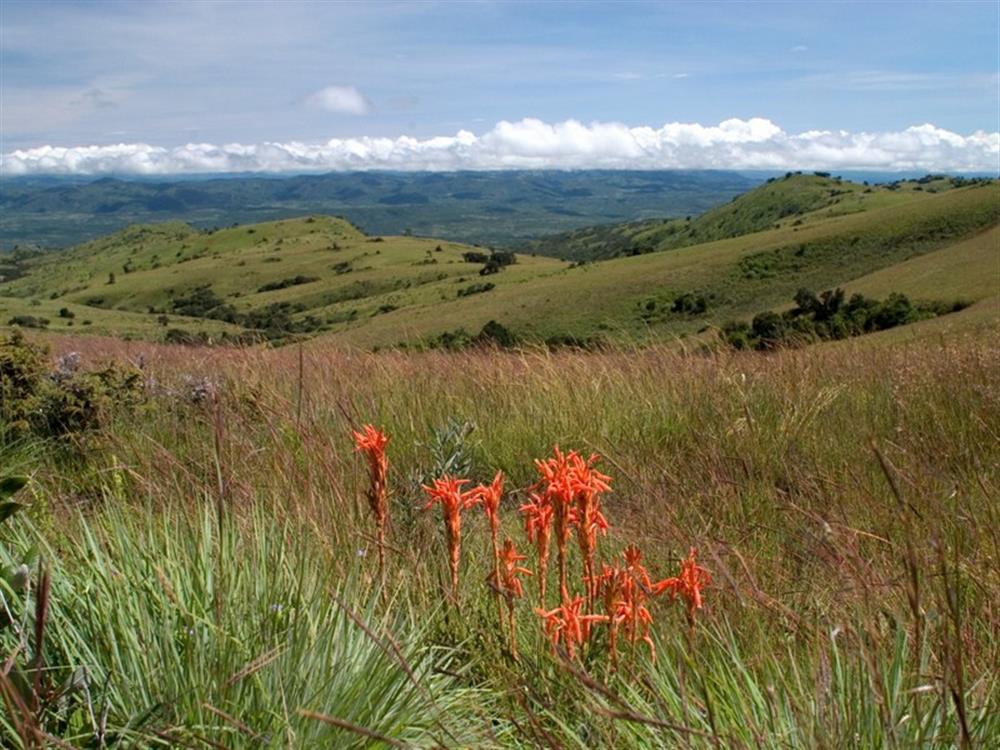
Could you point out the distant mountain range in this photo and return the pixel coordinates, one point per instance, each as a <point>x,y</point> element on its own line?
<point>491,208</point>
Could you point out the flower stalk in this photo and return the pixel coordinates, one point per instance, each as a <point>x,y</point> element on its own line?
<point>447,491</point>
<point>372,443</point>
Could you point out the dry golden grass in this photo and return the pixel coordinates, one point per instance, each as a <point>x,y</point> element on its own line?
<point>848,489</point>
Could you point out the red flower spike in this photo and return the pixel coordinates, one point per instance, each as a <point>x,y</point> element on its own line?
<point>567,625</point>
<point>687,585</point>
<point>506,582</point>
<point>372,443</point>
<point>448,492</point>
<point>488,496</point>
<point>538,515</point>
<point>572,487</point>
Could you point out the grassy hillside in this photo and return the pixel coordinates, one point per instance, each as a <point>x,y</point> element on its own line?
<point>321,275</point>
<point>794,199</point>
<point>631,298</point>
<point>316,267</point>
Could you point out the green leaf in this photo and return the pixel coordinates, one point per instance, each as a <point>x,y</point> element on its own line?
<point>10,485</point>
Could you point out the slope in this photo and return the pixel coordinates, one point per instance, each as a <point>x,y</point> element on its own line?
<point>633,298</point>
<point>794,199</point>
<point>301,275</point>
<point>320,275</point>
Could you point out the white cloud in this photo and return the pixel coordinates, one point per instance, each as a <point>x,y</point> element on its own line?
<point>756,143</point>
<point>340,99</point>
<point>799,48</point>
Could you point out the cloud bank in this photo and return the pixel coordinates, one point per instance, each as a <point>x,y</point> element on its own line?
<point>756,143</point>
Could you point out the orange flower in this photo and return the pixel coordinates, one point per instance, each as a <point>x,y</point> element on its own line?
<point>448,492</point>
<point>506,582</point>
<point>538,526</point>
<point>633,563</point>
<point>612,584</point>
<point>625,591</point>
<point>559,490</point>
<point>489,496</point>
<point>687,585</point>
<point>572,486</point>
<point>588,485</point>
<point>567,625</point>
<point>372,443</point>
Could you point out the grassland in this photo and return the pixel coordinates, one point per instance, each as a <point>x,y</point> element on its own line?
<point>360,291</point>
<point>213,581</point>
<point>794,199</point>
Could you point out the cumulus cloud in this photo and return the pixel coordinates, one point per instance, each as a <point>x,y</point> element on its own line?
<point>340,99</point>
<point>756,143</point>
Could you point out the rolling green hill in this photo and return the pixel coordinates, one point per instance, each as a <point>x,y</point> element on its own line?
<point>794,199</point>
<point>322,276</point>
<point>319,273</point>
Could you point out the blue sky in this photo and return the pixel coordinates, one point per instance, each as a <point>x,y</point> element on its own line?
<point>172,73</point>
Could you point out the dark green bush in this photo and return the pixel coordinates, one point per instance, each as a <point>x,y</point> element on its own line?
<point>28,321</point>
<point>827,317</point>
<point>61,400</point>
<point>689,304</point>
<point>496,334</point>
<point>285,283</point>
<point>475,289</point>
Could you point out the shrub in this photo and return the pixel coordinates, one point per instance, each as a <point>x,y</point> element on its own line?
<point>285,283</point>
<point>689,304</point>
<point>475,289</point>
<point>201,302</point>
<point>496,334</point>
<point>28,321</point>
<point>187,338</point>
<point>62,400</point>
<point>828,317</point>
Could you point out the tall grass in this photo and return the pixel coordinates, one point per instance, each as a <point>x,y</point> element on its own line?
<point>844,498</point>
<point>169,647</point>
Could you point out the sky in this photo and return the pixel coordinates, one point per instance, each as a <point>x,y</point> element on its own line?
<point>157,87</point>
